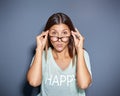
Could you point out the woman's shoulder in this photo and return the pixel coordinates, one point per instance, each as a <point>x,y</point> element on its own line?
<point>86,53</point>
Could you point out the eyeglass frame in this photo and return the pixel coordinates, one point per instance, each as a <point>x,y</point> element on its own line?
<point>60,38</point>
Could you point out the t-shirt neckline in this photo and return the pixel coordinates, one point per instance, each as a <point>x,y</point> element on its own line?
<point>54,62</point>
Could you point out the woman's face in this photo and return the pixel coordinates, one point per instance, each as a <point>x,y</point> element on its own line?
<point>59,36</point>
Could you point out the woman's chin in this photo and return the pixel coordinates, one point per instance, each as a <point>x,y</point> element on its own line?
<point>59,49</point>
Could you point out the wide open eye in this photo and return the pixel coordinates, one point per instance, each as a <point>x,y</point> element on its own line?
<point>65,32</point>
<point>53,33</point>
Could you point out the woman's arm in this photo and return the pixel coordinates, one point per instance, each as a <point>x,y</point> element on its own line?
<point>83,75</point>
<point>34,75</point>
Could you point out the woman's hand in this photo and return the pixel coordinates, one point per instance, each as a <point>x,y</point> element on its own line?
<point>78,39</point>
<point>41,40</point>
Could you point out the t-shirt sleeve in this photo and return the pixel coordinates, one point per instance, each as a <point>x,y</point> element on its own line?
<point>87,60</point>
<point>32,61</point>
<point>43,60</point>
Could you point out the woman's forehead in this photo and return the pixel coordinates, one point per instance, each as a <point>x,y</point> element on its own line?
<point>59,27</point>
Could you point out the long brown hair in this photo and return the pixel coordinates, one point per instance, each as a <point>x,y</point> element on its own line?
<point>58,18</point>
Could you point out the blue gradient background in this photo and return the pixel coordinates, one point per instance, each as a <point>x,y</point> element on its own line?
<point>22,20</point>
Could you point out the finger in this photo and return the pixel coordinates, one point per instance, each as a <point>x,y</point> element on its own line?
<point>46,34</point>
<point>43,34</point>
<point>76,35</point>
<point>78,31</point>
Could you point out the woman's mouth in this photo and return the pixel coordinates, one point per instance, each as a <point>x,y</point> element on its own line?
<point>59,45</point>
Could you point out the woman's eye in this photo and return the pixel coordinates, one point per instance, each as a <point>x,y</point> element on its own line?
<point>64,32</point>
<point>54,33</point>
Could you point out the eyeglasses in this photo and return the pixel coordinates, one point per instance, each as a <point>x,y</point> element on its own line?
<point>63,39</point>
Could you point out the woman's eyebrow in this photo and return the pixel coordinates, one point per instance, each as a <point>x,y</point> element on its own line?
<point>52,29</point>
<point>62,30</point>
<point>66,30</point>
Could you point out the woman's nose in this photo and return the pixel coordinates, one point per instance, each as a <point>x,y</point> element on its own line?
<point>59,39</point>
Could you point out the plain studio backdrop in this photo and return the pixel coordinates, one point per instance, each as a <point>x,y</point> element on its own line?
<point>22,20</point>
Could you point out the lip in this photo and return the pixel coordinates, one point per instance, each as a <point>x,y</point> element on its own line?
<point>59,45</point>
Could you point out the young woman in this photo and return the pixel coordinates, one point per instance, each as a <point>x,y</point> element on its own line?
<point>60,65</point>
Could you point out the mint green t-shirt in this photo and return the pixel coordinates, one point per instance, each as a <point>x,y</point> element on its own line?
<point>58,82</point>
